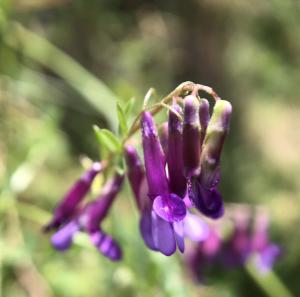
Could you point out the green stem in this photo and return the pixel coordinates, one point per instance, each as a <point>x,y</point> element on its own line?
<point>269,282</point>
<point>42,51</point>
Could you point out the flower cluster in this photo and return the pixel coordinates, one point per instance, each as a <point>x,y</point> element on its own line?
<point>71,217</point>
<point>179,174</point>
<point>182,170</point>
<point>248,239</point>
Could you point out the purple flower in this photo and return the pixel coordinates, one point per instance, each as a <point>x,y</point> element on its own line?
<point>165,220</point>
<point>89,219</point>
<point>203,187</point>
<point>191,136</point>
<point>266,252</point>
<point>69,204</point>
<point>177,180</point>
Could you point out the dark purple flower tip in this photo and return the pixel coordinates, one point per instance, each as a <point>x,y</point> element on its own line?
<point>195,228</point>
<point>169,207</point>
<point>204,117</point>
<point>97,210</point>
<point>191,136</point>
<point>63,238</point>
<point>135,173</point>
<point>68,206</point>
<point>154,158</point>
<point>208,201</point>
<point>146,229</point>
<point>163,235</point>
<point>265,260</point>
<point>106,245</point>
<point>177,179</point>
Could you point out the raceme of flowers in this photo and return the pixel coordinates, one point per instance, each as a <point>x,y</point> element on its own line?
<point>175,187</point>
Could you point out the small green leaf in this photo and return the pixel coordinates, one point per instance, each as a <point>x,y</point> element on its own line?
<point>128,107</point>
<point>122,120</point>
<point>107,139</point>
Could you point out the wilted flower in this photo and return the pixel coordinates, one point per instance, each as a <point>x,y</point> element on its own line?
<point>89,218</point>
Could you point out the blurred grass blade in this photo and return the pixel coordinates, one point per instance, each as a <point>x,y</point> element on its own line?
<point>269,282</point>
<point>42,51</point>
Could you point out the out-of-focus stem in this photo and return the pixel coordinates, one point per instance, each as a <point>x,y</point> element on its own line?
<point>269,282</point>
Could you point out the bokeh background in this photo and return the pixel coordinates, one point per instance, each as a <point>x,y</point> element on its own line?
<point>63,63</point>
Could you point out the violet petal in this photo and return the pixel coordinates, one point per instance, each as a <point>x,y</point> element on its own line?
<point>207,201</point>
<point>146,229</point>
<point>154,158</point>
<point>169,207</point>
<point>195,228</point>
<point>179,235</point>
<point>63,238</point>
<point>163,235</point>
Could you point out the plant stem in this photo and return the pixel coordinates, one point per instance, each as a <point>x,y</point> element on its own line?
<point>269,282</point>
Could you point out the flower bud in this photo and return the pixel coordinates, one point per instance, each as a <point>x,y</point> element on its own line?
<point>204,117</point>
<point>68,206</point>
<point>191,136</point>
<point>154,158</point>
<point>175,154</point>
<point>135,172</point>
<point>213,143</point>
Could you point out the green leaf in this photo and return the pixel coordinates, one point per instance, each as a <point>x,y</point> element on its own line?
<point>107,139</point>
<point>128,107</point>
<point>122,120</point>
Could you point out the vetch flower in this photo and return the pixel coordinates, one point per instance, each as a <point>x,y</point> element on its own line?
<point>203,187</point>
<point>266,252</point>
<point>69,204</point>
<point>89,218</point>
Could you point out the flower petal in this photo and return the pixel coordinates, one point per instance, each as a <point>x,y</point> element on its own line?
<point>146,229</point>
<point>153,157</point>
<point>163,235</point>
<point>195,228</point>
<point>207,201</point>
<point>169,207</point>
<point>63,238</point>
<point>179,235</point>
<point>106,245</point>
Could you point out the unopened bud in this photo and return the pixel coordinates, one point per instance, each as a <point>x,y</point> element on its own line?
<point>191,136</point>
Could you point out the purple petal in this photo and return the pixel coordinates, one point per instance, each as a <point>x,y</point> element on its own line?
<point>135,172</point>
<point>97,210</point>
<point>175,154</point>
<point>179,235</point>
<point>63,238</point>
<point>266,259</point>
<point>209,202</point>
<point>154,158</point>
<point>191,136</point>
<point>106,245</point>
<point>146,229</point>
<point>163,235</point>
<point>169,207</point>
<point>195,228</point>
<point>204,117</point>
<point>68,206</point>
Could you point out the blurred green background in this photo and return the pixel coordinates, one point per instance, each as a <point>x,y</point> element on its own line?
<point>63,63</point>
